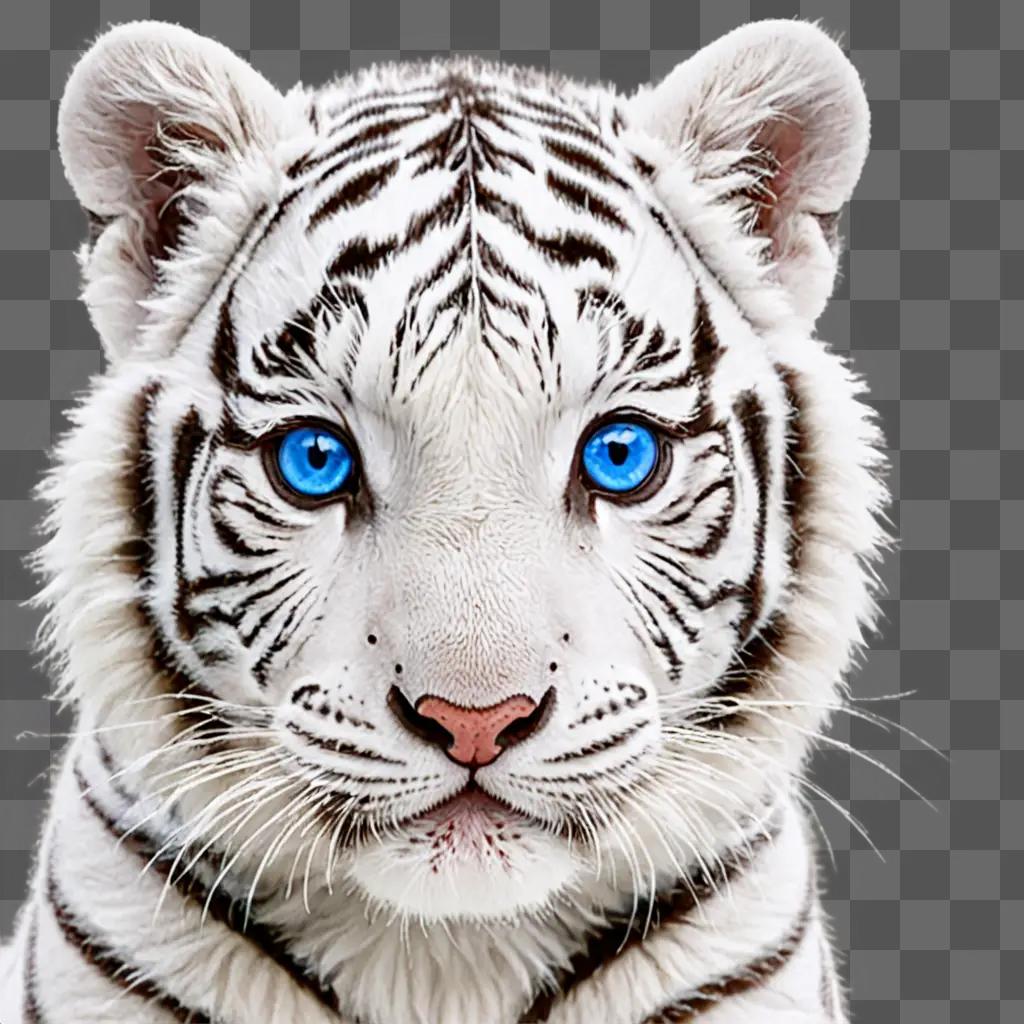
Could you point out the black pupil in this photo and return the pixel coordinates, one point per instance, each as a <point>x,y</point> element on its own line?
<point>317,456</point>
<point>618,452</point>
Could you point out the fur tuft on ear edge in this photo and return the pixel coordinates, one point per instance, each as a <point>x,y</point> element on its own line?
<point>153,118</point>
<point>773,120</point>
<point>147,90</point>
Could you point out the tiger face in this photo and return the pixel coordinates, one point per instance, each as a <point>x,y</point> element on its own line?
<point>465,488</point>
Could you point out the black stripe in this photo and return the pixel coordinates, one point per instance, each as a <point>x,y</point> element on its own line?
<point>341,747</point>
<point>567,248</point>
<point>625,931</point>
<point>751,976</point>
<point>572,114</point>
<point>707,353</point>
<point>388,105</point>
<point>361,257</point>
<point>750,414</point>
<point>111,964</point>
<point>417,290</point>
<point>287,630</point>
<point>138,840</point>
<point>714,596</point>
<point>442,267</point>
<point>283,206</point>
<point>253,503</point>
<point>274,587</point>
<point>583,161</point>
<point>719,527</point>
<point>673,612</point>
<point>497,158</point>
<point>635,330</point>
<point>459,296</point>
<point>30,996</point>
<point>356,191</point>
<point>295,344</point>
<point>263,621</point>
<point>376,132</point>
<point>599,746</point>
<point>630,333</point>
<point>492,300</point>
<point>219,906</point>
<point>231,538</point>
<point>246,602</point>
<point>439,149</point>
<point>493,262</point>
<point>799,469</point>
<point>653,630</point>
<point>230,265</point>
<point>224,357</point>
<point>445,212</point>
<point>598,299</point>
<point>585,201</point>
<point>643,167</point>
<point>140,486</point>
<point>555,119</point>
<point>252,507</point>
<point>761,653</point>
<point>232,578</point>
<point>188,439</point>
<point>757,652</point>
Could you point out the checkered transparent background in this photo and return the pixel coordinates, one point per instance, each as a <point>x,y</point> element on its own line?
<point>930,304</point>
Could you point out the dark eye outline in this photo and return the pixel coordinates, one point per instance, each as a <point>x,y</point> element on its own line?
<point>654,480</point>
<point>270,449</point>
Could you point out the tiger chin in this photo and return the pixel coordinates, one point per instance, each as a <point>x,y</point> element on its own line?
<point>462,547</point>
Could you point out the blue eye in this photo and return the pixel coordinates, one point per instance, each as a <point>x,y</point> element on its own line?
<point>313,462</point>
<point>620,456</point>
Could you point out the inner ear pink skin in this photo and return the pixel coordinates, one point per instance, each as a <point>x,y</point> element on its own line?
<point>159,182</point>
<point>785,141</point>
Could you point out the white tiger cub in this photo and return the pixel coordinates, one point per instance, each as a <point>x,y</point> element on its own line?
<point>462,548</point>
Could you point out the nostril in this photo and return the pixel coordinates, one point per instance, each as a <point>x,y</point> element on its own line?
<point>426,728</point>
<point>521,729</point>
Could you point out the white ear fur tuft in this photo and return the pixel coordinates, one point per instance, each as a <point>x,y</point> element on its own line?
<point>774,119</point>
<point>152,115</point>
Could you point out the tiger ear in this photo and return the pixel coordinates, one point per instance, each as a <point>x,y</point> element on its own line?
<point>153,121</point>
<point>773,118</point>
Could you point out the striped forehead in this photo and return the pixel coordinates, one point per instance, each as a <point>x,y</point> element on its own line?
<point>449,227</point>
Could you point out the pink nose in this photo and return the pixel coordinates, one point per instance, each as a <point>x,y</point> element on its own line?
<point>475,732</point>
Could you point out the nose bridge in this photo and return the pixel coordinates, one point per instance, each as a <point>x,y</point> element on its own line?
<point>474,609</point>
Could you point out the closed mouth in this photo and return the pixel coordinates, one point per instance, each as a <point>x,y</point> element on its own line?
<point>471,795</point>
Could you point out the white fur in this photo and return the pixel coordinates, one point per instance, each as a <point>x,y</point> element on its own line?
<point>472,572</point>
<point>791,76</point>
